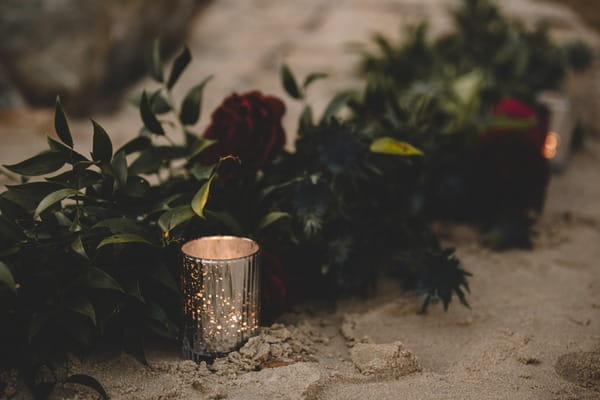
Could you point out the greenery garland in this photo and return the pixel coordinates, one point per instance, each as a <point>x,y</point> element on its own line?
<point>89,248</point>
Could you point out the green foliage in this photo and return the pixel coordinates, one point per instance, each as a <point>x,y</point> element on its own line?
<point>88,248</point>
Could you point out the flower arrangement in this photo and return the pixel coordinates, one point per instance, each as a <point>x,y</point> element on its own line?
<point>89,248</point>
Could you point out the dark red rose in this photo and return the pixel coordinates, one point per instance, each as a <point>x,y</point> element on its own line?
<point>510,171</point>
<point>247,126</point>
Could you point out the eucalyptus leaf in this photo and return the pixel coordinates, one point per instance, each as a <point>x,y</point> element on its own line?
<point>61,125</point>
<point>162,275</point>
<point>179,65</point>
<point>102,146</point>
<point>289,82</point>
<point>201,171</point>
<point>201,197</point>
<point>78,247</point>
<point>192,104</point>
<point>6,278</point>
<point>54,198</point>
<point>148,117</point>
<point>41,164</point>
<point>159,104</point>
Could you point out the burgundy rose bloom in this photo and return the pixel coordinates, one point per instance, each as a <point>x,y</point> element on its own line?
<point>247,126</point>
<point>510,172</point>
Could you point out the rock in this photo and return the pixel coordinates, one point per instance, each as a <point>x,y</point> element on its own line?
<point>82,49</point>
<point>384,360</point>
<point>581,368</point>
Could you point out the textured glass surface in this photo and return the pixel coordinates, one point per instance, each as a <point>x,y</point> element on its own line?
<point>221,296</point>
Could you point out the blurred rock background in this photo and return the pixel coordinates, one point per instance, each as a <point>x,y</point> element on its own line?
<point>92,52</point>
<point>83,50</point>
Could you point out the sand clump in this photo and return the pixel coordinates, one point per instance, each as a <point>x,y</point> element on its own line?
<point>276,346</point>
<point>384,360</point>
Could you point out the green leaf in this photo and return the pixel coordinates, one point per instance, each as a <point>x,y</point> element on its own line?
<point>82,305</point>
<point>119,168</point>
<point>77,247</point>
<point>54,198</point>
<point>226,220</point>
<point>119,225</point>
<point>148,117</point>
<point>305,123</point>
<point>271,218</point>
<point>338,101</point>
<point>201,197</point>
<point>123,238</point>
<point>77,179</point>
<point>179,65</point>
<point>61,125</point>
<point>90,382</point>
<point>137,144</point>
<point>174,217</point>
<point>154,61</point>
<point>192,104</point>
<point>153,158</point>
<point>41,164</point>
<point>388,145</point>
<point>72,156</point>
<point>30,194</point>
<point>98,279</point>
<point>201,171</point>
<point>102,147</point>
<point>159,104</point>
<point>200,145</point>
<point>289,82</point>
<point>310,78</point>
<point>6,278</point>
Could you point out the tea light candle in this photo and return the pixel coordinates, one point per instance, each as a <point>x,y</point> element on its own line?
<point>221,295</point>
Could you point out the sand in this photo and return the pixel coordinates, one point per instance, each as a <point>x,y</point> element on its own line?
<point>533,331</point>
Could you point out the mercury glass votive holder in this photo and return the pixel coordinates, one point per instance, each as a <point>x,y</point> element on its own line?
<point>221,295</point>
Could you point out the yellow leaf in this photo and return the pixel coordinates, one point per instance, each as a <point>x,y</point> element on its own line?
<point>201,197</point>
<point>388,145</point>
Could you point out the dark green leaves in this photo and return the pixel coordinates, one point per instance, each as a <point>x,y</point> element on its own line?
<point>310,78</point>
<point>102,146</point>
<point>176,216</point>
<point>41,164</point>
<point>179,65</point>
<point>192,104</point>
<point>272,217</point>
<point>154,61</point>
<point>54,198</point>
<point>119,168</point>
<point>338,101</point>
<point>61,126</point>
<point>150,121</point>
<point>289,82</point>
<point>123,238</point>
